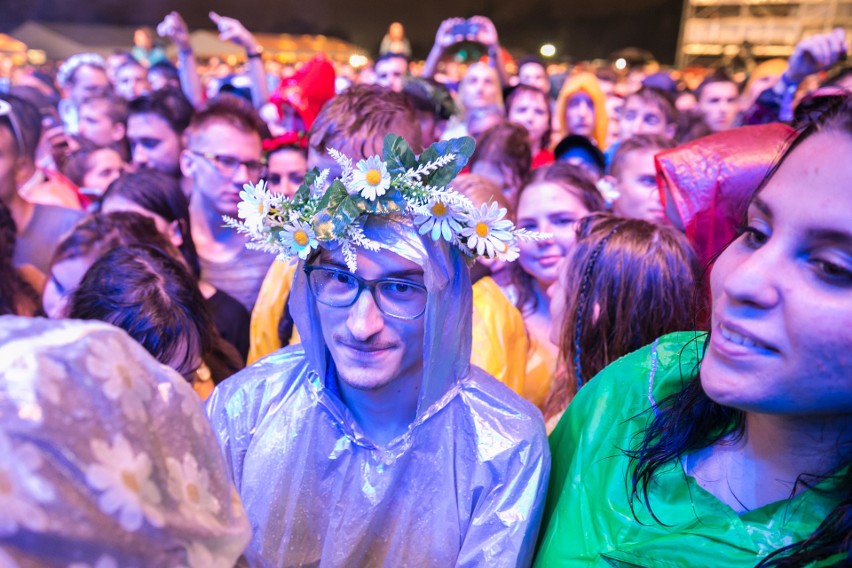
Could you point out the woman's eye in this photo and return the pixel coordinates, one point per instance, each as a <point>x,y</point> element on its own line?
<point>754,237</point>
<point>833,272</point>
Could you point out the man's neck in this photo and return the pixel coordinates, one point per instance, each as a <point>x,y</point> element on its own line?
<point>384,413</point>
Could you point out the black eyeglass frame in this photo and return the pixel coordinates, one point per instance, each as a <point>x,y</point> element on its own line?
<point>362,285</point>
<point>217,161</point>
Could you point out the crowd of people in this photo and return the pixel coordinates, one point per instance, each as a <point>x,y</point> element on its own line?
<point>425,313</point>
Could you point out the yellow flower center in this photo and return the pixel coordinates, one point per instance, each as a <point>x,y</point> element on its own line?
<point>373,177</point>
<point>260,208</point>
<point>301,238</point>
<point>130,481</point>
<point>482,229</point>
<point>439,210</point>
<point>193,493</point>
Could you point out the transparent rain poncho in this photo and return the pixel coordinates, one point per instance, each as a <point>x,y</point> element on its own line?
<point>463,486</point>
<point>106,457</point>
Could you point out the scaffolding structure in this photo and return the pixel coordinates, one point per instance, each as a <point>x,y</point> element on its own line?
<point>716,31</point>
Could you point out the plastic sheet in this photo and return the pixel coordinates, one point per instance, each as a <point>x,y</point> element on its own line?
<point>106,457</point>
<point>463,486</point>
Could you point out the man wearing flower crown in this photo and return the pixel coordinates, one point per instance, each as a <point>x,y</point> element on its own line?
<point>375,442</point>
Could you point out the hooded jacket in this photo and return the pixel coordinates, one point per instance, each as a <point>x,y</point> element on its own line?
<point>709,182</point>
<point>588,84</point>
<point>463,486</point>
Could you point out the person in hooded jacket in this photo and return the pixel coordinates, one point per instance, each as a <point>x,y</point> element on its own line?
<point>375,442</point>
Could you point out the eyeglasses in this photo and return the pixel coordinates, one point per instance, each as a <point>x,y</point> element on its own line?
<point>294,178</point>
<point>394,297</point>
<point>228,165</point>
<point>7,111</point>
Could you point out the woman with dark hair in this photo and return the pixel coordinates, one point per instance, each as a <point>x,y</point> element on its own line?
<point>552,200</point>
<point>95,236</point>
<point>618,268</point>
<point>17,295</point>
<point>732,448</point>
<point>153,298</point>
<point>159,197</point>
<point>530,107</point>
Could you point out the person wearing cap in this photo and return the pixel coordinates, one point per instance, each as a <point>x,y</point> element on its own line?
<point>375,442</point>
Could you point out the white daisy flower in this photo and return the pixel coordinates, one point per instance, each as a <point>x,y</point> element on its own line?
<point>299,238</point>
<point>370,178</point>
<point>124,478</point>
<point>444,221</point>
<point>105,361</point>
<point>190,486</point>
<point>21,488</point>
<point>488,234</point>
<point>49,376</point>
<point>254,206</point>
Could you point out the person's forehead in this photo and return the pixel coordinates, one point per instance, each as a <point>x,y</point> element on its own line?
<point>373,265</point>
<point>222,134</point>
<point>147,122</point>
<point>718,89</point>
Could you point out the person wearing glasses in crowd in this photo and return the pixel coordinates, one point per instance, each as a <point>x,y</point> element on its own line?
<point>223,152</point>
<point>375,441</point>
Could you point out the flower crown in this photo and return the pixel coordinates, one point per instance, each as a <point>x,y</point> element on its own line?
<point>397,183</point>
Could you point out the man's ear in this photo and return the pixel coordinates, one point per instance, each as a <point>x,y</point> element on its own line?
<point>174,233</point>
<point>187,163</point>
<point>119,131</point>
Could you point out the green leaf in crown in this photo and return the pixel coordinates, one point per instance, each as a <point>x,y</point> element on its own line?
<point>461,148</point>
<point>398,155</point>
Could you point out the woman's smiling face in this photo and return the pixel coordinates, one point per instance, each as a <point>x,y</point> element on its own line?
<point>781,340</point>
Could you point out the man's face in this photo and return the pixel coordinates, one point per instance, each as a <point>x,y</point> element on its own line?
<point>580,115</point>
<point>131,81</point>
<point>391,72</point>
<point>371,350</point>
<point>718,105</point>
<point>208,161</point>
<point>97,126</point>
<point>637,184</point>
<point>643,117</point>
<point>153,143</point>
<point>89,82</point>
<point>534,75</point>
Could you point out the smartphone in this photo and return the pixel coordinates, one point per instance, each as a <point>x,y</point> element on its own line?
<point>465,29</point>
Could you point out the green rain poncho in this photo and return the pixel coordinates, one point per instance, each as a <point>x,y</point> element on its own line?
<point>587,517</point>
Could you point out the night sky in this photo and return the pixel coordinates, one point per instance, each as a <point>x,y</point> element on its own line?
<point>580,30</point>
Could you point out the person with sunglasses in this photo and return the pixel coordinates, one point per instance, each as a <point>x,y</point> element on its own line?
<point>375,442</point>
<point>223,153</point>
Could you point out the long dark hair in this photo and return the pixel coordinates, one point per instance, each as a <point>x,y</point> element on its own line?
<point>17,297</point>
<point>160,194</point>
<point>152,297</point>
<point>623,267</point>
<point>689,420</point>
